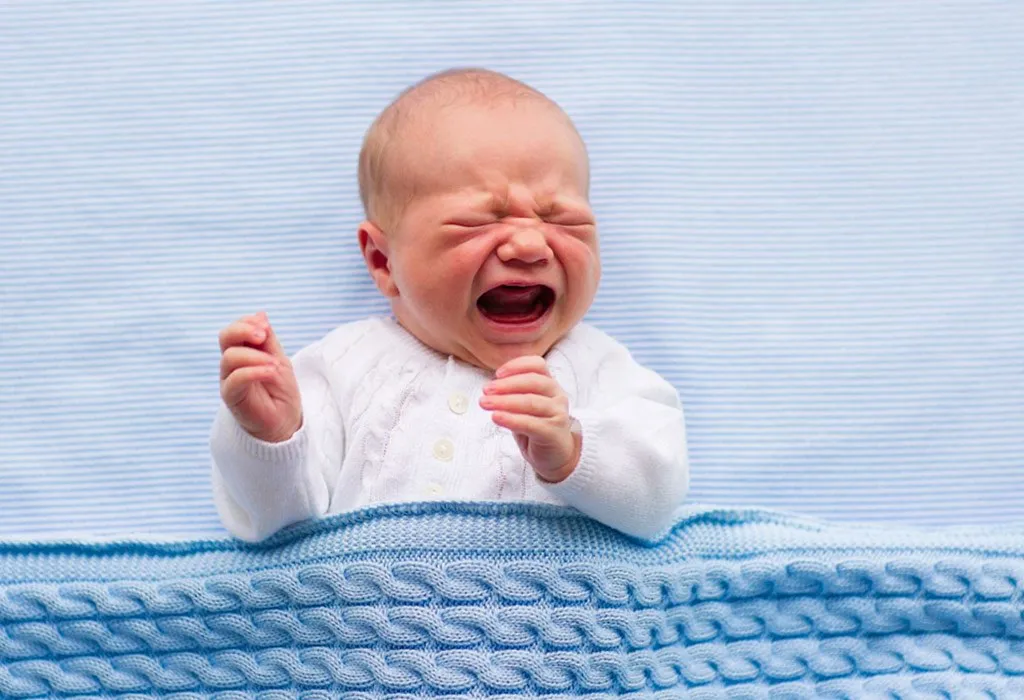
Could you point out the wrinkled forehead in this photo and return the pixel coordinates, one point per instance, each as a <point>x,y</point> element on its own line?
<point>461,145</point>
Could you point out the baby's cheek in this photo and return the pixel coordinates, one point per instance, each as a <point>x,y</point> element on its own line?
<point>457,271</point>
<point>445,285</point>
<point>468,257</point>
<point>582,264</point>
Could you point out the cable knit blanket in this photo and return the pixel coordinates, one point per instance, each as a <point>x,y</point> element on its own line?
<point>494,600</point>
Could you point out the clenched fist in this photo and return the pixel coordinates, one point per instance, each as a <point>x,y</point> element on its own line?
<point>527,400</point>
<point>257,382</point>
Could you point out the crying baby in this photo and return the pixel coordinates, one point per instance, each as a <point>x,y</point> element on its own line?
<point>483,384</point>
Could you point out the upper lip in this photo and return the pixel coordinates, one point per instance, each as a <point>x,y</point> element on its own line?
<point>518,283</point>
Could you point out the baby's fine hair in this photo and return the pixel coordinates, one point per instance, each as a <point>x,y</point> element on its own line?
<point>450,87</point>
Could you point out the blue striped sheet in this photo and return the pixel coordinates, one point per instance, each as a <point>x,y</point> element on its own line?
<point>811,219</point>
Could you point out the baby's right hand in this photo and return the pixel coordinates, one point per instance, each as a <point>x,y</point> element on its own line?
<point>257,381</point>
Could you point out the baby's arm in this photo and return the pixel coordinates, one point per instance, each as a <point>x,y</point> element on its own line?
<point>633,470</point>
<point>277,439</point>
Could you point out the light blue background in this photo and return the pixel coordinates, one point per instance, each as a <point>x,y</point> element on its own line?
<point>811,216</point>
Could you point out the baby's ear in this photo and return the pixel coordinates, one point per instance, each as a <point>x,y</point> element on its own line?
<point>374,245</point>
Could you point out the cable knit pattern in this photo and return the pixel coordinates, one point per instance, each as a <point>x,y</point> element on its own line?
<point>496,600</point>
<point>388,420</point>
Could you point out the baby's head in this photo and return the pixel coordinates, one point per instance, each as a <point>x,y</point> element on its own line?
<point>478,223</point>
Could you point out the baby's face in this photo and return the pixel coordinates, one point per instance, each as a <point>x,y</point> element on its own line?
<point>495,253</point>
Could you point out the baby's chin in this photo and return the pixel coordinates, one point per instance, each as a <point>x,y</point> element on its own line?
<point>494,356</point>
<point>472,344</point>
<point>491,350</point>
<point>490,355</point>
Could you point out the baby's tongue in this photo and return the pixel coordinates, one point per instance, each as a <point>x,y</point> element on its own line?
<point>511,303</point>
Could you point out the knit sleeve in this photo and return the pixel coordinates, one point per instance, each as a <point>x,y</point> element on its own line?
<point>633,471</point>
<point>260,487</point>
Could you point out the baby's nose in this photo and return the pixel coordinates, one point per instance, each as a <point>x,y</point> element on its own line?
<point>527,245</point>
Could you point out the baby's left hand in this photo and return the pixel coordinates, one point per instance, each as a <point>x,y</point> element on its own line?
<point>527,400</point>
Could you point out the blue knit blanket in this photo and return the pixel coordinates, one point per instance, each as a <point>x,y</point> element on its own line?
<point>494,600</point>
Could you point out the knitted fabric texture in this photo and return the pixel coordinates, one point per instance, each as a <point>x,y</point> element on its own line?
<point>493,600</point>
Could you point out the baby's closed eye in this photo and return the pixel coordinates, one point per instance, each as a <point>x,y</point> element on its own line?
<point>574,225</point>
<point>572,220</point>
<point>569,216</point>
<point>470,221</point>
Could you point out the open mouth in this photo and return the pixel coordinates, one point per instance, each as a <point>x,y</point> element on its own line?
<point>514,304</point>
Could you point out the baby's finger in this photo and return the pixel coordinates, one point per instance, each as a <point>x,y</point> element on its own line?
<point>533,427</point>
<point>235,388</point>
<point>527,383</point>
<point>525,404</point>
<point>241,356</point>
<point>242,332</point>
<point>272,344</point>
<point>526,363</point>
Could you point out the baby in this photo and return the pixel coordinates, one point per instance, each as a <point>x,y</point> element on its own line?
<point>484,385</point>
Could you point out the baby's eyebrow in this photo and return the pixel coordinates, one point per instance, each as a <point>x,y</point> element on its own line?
<point>481,200</point>
<point>548,205</point>
<point>551,203</point>
<point>556,204</point>
<point>499,202</point>
<point>495,202</point>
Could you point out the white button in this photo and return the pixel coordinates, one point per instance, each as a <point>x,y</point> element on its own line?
<point>434,489</point>
<point>444,450</point>
<point>458,403</point>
